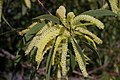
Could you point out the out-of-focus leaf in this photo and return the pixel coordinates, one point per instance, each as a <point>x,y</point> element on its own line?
<point>28,3</point>
<point>17,16</point>
<point>7,23</point>
<point>1,3</point>
<point>18,59</point>
<point>99,13</point>
<point>93,49</point>
<point>32,75</point>
<point>24,10</point>
<point>33,0</point>
<point>106,76</point>
<point>48,17</point>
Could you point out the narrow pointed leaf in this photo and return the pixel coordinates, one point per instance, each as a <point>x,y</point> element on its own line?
<point>99,13</point>
<point>93,49</point>
<point>29,34</point>
<point>28,3</point>
<point>72,58</point>
<point>48,17</point>
<point>33,54</point>
<point>49,63</point>
<point>33,30</point>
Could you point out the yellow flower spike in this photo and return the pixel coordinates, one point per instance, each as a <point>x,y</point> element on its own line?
<point>113,4</point>
<point>63,56</point>
<point>45,37</point>
<point>85,31</point>
<point>61,11</point>
<point>89,39</point>
<point>89,18</point>
<point>55,48</point>
<point>36,38</point>
<point>70,16</point>
<point>48,46</point>
<point>79,59</point>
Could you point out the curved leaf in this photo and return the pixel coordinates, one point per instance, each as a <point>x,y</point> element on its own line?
<point>93,49</point>
<point>29,34</point>
<point>48,17</point>
<point>28,3</point>
<point>88,18</point>
<point>87,32</point>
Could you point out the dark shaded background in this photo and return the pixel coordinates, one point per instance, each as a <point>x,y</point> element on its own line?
<point>19,18</point>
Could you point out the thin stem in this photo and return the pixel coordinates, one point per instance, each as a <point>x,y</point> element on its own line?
<point>14,30</point>
<point>7,23</point>
<point>43,6</point>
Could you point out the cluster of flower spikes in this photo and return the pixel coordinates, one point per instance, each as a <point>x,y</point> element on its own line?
<point>60,34</point>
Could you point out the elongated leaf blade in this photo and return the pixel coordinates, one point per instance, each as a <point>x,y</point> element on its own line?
<point>48,17</point>
<point>28,3</point>
<point>72,58</point>
<point>29,35</point>
<point>49,63</point>
<point>33,54</point>
<point>99,13</point>
<point>24,9</point>
<point>33,31</point>
<point>93,49</point>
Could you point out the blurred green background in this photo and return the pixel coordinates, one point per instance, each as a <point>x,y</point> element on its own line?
<point>16,16</point>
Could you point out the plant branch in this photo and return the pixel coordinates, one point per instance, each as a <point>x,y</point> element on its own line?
<point>43,6</point>
<point>13,30</point>
<point>6,54</point>
<point>80,74</point>
<point>92,71</point>
<point>22,72</point>
<point>99,68</point>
